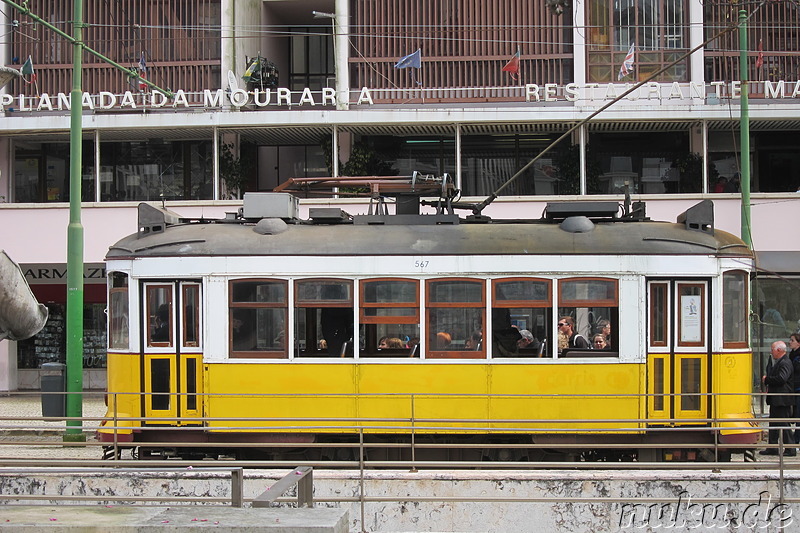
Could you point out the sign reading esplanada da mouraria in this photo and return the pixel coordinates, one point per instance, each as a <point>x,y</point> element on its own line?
<point>282,97</point>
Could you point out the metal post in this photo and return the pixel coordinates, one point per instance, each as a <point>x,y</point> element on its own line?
<point>75,240</point>
<point>744,126</point>
<point>237,487</point>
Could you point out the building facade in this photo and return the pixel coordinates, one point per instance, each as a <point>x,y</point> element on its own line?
<point>327,82</point>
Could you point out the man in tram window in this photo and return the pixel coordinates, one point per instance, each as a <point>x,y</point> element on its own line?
<point>780,386</point>
<point>161,331</point>
<point>566,325</point>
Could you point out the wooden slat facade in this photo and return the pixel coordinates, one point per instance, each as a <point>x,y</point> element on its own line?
<point>464,44</point>
<point>180,40</point>
<point>775,25</point>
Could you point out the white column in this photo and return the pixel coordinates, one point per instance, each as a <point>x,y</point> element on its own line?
<point>8,366</point>
<point>341,48</point>
<point>696,68</point>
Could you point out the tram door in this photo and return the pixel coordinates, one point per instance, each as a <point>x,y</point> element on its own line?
<point>172,356</point>
<point>678,370</point>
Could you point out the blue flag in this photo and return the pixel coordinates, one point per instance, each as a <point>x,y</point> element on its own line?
<point>411,60</point>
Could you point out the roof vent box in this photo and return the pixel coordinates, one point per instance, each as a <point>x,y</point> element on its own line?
<point>270,205</point>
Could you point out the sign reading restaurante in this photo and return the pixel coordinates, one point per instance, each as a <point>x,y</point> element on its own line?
<point>549,92</point>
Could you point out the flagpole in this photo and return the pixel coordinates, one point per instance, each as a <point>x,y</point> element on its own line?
<point>744,130</point>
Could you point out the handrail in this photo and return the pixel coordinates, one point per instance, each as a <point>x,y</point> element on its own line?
<point>302,476</point>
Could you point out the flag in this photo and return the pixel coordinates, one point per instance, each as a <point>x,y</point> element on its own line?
<point>142,72</point>
<point>627,65</point>
<point>27,70</point>
<point>760,58</point>
<point>512,67</point>
<point>413,60</point>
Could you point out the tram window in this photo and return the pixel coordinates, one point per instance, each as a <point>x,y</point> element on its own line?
<point>258,316</point>
<point>658,308</point>
<point>456,312</point>
<point>324,318</point>
<point>118,311</point>
<point>389,317</point>
<point>191,315</point>
<point>593,305</point>
<point>520,304</point>
<point>734,309</point>
<point>159,315</point>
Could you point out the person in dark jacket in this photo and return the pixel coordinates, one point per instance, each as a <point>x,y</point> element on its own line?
<point>794,356</point>
<point>780,389</point>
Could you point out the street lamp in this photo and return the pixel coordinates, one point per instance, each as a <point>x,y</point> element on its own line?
<point>341,70</point>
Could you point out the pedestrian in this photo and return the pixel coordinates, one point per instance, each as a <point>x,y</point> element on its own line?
<point>780,388</point>
<point>794,356</point>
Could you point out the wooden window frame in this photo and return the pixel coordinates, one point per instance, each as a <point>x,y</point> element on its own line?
<point>259,354</point>
<point>322,303</point>
<point>679,319</point>
<point>363,306</point>
<point>562,302</point>
<point>148,335</point>
<point>522,303</point>
<point>743,344</point>
<point>460,354</point>
<point>185,287</point>
<point>665,316</point>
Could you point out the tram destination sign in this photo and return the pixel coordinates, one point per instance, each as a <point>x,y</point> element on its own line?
<point>306,98</point>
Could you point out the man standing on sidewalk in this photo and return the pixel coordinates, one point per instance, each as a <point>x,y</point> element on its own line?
<point>780,388</point>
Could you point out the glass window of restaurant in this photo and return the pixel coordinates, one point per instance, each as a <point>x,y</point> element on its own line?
<point>644,162</point>
<point>41,171</point>
<point>156,170</point>
<point>488,161</point>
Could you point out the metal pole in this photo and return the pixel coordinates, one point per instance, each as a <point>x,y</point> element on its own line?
<point>744,126</point>
<point>75,241</point>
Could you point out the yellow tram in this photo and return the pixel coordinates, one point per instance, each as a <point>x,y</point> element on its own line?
<point>265,327</point>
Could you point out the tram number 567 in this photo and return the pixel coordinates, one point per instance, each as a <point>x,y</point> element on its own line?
<point>421,263</point>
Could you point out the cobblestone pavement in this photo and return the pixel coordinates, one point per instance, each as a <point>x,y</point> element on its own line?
<point>25,434</point>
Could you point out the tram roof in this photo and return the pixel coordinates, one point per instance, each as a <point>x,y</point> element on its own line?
<point>277,237</point>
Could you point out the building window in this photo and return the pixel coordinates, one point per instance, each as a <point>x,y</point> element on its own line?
<point>42,171</point>
<point>643,162</point>
<point>156,170</point>
<point>311,52</point>
<point>488,161</point>
<point>657,29</point>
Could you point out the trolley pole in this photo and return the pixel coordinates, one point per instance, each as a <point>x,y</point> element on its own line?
<point>744,127</point>
<point>74,379</point>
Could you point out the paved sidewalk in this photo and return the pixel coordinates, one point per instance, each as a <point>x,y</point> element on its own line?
<point>23,410</point>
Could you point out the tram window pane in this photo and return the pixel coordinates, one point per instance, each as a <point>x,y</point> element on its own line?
<point>159,315</point>
<point>658,383</point>
<point>508,323</point>
<point>159,382</point>
<point>734,308</point>
<point>324,291</point>
<point>690,384</point>
<point>589,322</point>
<point>455,291</point>
<point>118,312</point>
<point>389,291</point>
<point>326,331</point>
<point>522,290</point>
<point>658,314</point>
<point>450,329</point>
<point>258,291</point>
<point>191,315</point>
<point>258,329</point>
<point>191,384</point>
<point>587,290</point>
